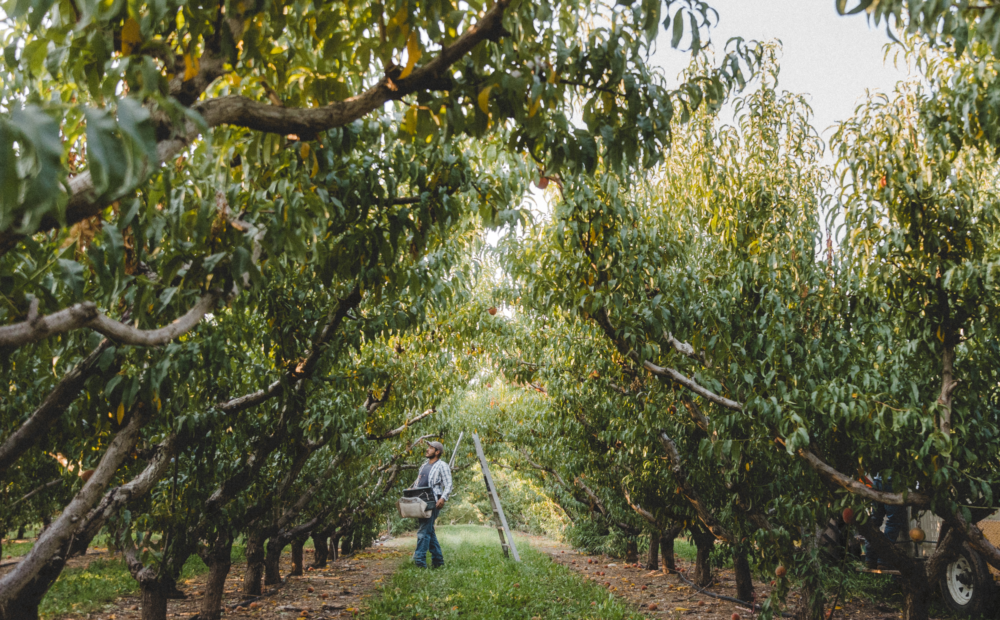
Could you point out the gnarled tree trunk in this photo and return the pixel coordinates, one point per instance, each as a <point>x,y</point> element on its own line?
<point>272,567</point>
<point>744,578</point>
<point>322,549</point>
<point>297,545</point>
<point>219,561</point>
<point>667,550</point>
<point>653,554</point>
<point>334,548</point>
<point>255,564</point>
<point>631,551</point>
<point>346,542</point>
<point>704,541</point>
<point>154,600</point>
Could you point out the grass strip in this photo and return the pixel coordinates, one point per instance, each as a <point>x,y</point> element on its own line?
<point>478,582</point>
<point>84,590</point>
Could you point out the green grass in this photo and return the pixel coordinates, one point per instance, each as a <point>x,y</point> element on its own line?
<point>478,583</point>
<point>83,590</point>
<point>16,549</point>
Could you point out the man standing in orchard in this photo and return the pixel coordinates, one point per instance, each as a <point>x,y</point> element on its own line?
<point>435,473</point>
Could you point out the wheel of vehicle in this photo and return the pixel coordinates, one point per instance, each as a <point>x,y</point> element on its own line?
<point>967,586</point>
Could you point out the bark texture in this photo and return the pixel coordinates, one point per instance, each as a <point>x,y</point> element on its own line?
<point>272,562</point>
<point>631,551</point>
<point>154,601</point>
<point>219,561</point>
<point>744,578</point>
<point>704,542</point>
<point>255,565</point>
<point>653,553</point>
<point>297,545</point>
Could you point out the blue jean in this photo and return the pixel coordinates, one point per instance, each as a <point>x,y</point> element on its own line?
<point>894,517</point>
<point>427,539</point>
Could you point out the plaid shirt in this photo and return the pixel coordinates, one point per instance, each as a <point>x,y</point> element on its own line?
<point>439,478</point>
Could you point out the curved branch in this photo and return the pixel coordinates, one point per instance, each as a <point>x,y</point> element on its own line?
<point>401,429</point>
<point>242,112</point>
<point>58,400</point>
<point>832,476</point>
<point>86,314</point>
<point>303,370</point>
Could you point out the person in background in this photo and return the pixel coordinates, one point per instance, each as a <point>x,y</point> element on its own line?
<point>895,522</point>
<point>435,473</point>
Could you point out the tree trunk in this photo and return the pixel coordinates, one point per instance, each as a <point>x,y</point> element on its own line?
<point>916,602</point>
<point>219,560</point>
<point>744,578</point>
<point>705,542</point>
<point>272,566</point>
<point>631,551</point>
<point>667,550</point>
<point>297,545</point>
<point>255,564</point>
<point>345,543</point>
<point>653,555</point>
<point>20,532</point>
<point>154,601</point>
<point>334,548</point>
<point>322,551</point>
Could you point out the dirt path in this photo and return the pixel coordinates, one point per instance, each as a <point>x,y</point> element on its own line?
<point>660,595</point>
<point>339,590</point>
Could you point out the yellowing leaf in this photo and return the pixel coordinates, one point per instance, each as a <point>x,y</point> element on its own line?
<point>121,412</point>
<point>940,335</point>
<point>191,66</point>
<point>484,99</point>
<point>410,120</point>
<point>413,54</point>
<point>553,76</point>
<point>748,466</point>
<point>968,244</point>
<point>304,150</point>
<point>533,110</point>
<point>131,37</point>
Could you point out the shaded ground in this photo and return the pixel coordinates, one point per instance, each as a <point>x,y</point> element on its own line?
<point>370,583</point>
<point>336,591</point>
<point>673,597</point>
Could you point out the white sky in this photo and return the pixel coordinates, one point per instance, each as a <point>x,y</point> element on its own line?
<point>832,59</point>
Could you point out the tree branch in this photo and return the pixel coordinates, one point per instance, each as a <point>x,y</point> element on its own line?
<point>832,476</point>
<point>59,533</point>
<point>401,429</point>
<point>86,314</point>
<point>64,393</point>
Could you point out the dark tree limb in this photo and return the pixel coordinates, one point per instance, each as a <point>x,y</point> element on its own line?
<point>66,526</point>
<point>58,400</point>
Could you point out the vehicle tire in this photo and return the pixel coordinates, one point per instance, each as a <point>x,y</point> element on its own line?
<point>967,586</point>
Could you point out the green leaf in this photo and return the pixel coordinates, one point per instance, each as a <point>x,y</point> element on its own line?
<point>72,275</point>
<point>133,119</point>
<point>678,29</point>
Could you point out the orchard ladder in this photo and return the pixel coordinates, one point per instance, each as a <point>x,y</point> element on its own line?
<point>506,540</point>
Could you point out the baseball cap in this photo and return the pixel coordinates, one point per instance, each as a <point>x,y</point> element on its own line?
<point>436,445</point>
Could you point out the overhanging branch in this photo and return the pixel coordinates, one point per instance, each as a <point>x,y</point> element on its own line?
<point>86,314</point>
